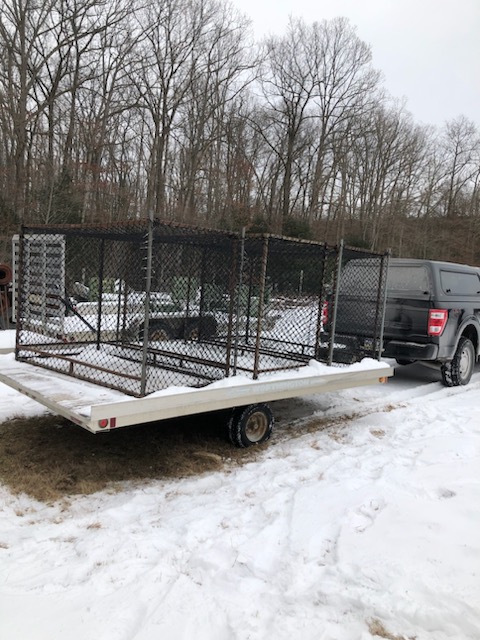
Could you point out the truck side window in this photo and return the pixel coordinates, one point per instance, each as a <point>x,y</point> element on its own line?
<point>460,283</point>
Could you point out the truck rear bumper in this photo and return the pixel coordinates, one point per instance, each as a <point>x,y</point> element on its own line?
<point>410,350</point>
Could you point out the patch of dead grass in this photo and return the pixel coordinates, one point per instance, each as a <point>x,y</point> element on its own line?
<point>49,458</point>
<point>393,407</point>
<point>377,628</point>
<point>334,426</point>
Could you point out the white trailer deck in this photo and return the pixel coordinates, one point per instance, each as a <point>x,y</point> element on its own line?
<point>99,409</point>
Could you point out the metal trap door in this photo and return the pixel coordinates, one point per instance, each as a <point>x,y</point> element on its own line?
<point>41,284</point>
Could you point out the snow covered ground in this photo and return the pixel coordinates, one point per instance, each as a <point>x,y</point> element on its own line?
<point>370,526</point>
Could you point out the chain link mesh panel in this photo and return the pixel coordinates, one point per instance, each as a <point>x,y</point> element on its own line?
<point>357,307</point>
<point>147,305</point>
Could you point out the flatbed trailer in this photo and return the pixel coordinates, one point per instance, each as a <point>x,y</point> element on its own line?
<point>246,323</point>
<point>99,409</point>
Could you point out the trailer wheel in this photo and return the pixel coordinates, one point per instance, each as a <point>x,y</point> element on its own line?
<point>250,425</point>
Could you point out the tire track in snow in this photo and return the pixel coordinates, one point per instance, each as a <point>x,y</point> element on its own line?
<point>338,409</point>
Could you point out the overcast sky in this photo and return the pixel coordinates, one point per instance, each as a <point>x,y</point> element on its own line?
<point>428,50</point>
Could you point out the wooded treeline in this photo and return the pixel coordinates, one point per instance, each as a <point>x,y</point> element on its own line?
<point>112,109</point>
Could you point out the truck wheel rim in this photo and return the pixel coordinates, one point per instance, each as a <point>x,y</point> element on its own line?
<point>465,362</point>
<point>256,427</point>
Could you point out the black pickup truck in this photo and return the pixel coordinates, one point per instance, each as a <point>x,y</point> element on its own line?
<point>432,314</point>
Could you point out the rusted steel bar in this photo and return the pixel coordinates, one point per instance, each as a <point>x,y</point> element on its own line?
<point>261,300</point>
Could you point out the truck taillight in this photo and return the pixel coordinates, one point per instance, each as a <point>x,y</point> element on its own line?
<point>437,319</point>
<point>324,314</point>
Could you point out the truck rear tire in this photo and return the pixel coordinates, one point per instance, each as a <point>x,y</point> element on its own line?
<point>201,329</point>
<point>250,425</point>
<point>459,370</point>
<point>160,332</point>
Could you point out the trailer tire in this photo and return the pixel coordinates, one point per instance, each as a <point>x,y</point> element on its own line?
<point>250,425</point>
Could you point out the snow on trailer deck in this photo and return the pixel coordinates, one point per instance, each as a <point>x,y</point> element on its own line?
<point>99,409</point>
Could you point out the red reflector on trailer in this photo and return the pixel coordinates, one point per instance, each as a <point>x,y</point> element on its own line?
<point>107,422</point>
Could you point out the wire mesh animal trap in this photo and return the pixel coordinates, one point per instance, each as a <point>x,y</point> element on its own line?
<point>145,305</point>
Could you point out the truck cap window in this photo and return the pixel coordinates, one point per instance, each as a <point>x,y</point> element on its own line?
<point>408,278</point>
<point>460,283</point>
<point>360,278</point>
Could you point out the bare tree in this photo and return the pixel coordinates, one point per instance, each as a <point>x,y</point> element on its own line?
<point>170,59</point>
<point>345,89</point>
<point>105,109</point>
<point>52,50</point>
<point>461,143</point>
<point>223,72</point>
<point>23,24</point>
<point>288,83</point>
